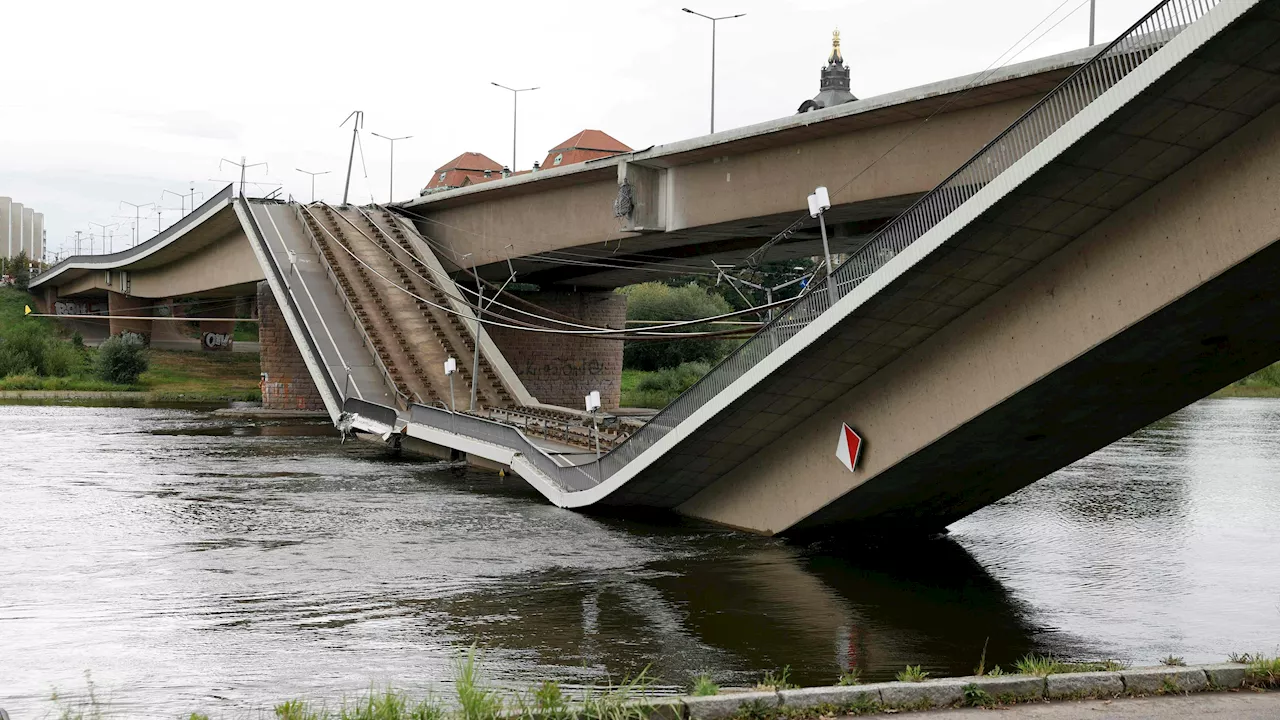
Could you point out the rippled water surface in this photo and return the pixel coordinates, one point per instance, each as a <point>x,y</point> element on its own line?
<point>196,562</point>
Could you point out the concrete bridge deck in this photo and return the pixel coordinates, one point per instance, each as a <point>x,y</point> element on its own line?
<point>1106,259</point>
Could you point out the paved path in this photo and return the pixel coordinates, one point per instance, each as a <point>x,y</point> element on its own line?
<point>1242,705</point>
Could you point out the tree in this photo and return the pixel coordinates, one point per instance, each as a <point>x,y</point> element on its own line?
<point>21,271</point>
<point>656,301</point>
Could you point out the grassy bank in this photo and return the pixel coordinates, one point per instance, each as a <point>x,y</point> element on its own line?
<point>1264,383</point>
<point>174,375</point>
<point>36,354</point>
<point>656,389</point>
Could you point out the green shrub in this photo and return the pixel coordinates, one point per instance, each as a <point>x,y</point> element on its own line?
<point>704,686</point>
<point>61,359</point>
<point>655,301</point>
<point>22,347</point>
<point>122,358</point>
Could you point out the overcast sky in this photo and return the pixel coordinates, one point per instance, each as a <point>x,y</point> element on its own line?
<point>118,101</point>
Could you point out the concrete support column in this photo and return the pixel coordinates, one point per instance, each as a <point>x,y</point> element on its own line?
<point>562,369</point>
<point>120,304</point>
<point>286,382</point>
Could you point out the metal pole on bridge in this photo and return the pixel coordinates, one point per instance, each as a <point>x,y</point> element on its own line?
<point>819,203</point>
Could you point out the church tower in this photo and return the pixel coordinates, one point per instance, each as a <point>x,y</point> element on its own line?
<point>834,87</point>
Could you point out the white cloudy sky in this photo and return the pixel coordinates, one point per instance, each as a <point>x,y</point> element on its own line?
<point>112,101</point>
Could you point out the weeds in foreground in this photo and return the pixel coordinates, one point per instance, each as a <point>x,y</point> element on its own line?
<point>975,696</point>
<point>1173,661</point>
<point>87,708</point>
<point>912,673</point>
<point>1263,670</point>
<point>852,676</point>
<point>996,672</point>
<point>475,701</point>
<point>545,701</point>
<point>780,680</point>
<point>982,660</point>
<point>1043,665</point>
<point>703,686</point>
<point>620,702</point>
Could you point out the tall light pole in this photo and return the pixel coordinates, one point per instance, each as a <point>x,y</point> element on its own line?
<point>1093,6</point>
<point>243,165</point>
<point>713,20</point>
<point>355,134</point>
<point>391,182</point>
<point>515,116</point>
<point>104,235</point>
<point>313,179</point>
<point>137,216</point>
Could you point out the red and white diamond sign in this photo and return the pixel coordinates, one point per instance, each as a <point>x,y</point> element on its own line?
<point>850,447</point>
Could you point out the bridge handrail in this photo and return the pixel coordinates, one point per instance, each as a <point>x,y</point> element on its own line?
<point>258,236</point>
<point>1112,64</point>
<point>320,317</point>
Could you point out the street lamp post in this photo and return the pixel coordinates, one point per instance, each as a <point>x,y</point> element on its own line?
<point>713,20</point>
<point>391,182</point>
<point>137,219</point>
<point>515,111</point>
<point>313,180</point>
<point>1093,6</point>
<point>104,235</point>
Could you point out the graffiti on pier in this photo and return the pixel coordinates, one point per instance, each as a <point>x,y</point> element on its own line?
<point>216,341</point>
<point>562,367</point>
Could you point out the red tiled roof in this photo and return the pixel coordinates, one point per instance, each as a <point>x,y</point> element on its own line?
<point>586,145</point>
<point>471,161</point>
<point>465,169</point>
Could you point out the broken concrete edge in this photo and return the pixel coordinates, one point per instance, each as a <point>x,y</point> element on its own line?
<point>946,692</point>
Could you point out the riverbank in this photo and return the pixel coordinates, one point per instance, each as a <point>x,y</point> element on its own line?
<point>37,355</point>
<point>772,698</point>
<point>173,376</point>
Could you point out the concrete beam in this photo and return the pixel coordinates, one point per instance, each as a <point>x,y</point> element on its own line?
<point>1166,300</point>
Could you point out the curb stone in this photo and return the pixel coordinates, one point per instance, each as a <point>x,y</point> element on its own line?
<point>937,693</point>
<point>1225,675</point>
<point>1086,684</point>
<point>659,708</point>
<point>716,707</point>
<point>1019,687</point>
<point>839,695</point>
<point>1153,680</point>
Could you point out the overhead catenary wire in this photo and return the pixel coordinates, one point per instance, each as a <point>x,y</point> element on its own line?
<point>571,322</point>
<point>412,271</point>
<point>608,333</point>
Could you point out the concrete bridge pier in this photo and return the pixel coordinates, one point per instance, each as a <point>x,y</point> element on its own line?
<point>129,306</point>
<point>562,369</point>
<point>286,382</point>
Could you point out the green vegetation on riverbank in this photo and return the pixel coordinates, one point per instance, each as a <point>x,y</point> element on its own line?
<point>1264,383</point>
<point>36,355</point>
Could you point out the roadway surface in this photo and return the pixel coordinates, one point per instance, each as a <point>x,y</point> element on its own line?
<point>1242,705</point>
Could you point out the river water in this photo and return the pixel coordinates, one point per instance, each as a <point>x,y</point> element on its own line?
<point>192,562</point>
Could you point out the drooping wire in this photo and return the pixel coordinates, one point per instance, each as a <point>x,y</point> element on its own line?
<point>609,333</point>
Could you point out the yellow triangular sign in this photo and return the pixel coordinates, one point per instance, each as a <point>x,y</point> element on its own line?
<point>27,309</point>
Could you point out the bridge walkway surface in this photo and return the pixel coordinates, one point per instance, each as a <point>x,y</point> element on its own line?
<point>1106,259</point>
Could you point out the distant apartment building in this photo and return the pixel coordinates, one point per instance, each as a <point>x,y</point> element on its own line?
<point>21,230</point>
